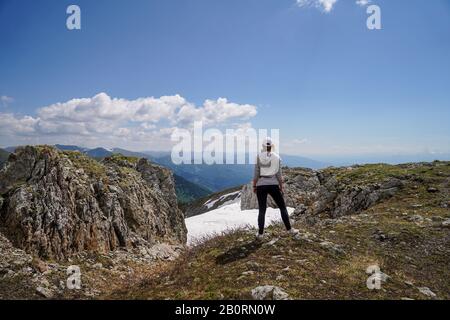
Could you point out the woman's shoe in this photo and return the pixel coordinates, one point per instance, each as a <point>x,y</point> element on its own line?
<point>293,231</point>
<point>259,236</point>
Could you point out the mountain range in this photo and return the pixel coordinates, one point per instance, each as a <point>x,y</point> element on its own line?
<point>194,181</point>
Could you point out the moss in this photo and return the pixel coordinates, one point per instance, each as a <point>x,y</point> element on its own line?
<point>120,158</point>
<point>91,167</point>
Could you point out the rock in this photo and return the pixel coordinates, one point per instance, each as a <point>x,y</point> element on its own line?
<point>379,235</point>
<point>61,203</point>
<point>427,292</point>
<point>269,292</point>
<point>254,265</point>
<point>446,223</point>
<point>44,292</point>
<point>314,192</point>
<point>248,273</point>
<point>271,242</point>
<point>39,265</point>
<point>416,218</point>
<point>299,210</point>
<point>432,190</point>
<point>97,266</point>
<point>332,247</point>
<point>305,236</point>
<point>9,274</point>
<point>164,251</point>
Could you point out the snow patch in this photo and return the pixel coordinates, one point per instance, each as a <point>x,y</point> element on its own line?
<point>227,217</point>
<point>210,203</point>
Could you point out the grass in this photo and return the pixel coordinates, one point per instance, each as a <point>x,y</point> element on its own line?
<point>229,265</point>
<point>91,167</point>
<point>412,254</point>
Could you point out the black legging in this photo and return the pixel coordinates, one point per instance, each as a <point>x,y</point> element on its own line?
<point>275,193</point>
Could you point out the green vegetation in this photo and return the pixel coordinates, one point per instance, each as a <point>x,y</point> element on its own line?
<point>120,158</point>
<point>3,157</point>
<point>91,167</point>
<point>187,191</point>
<point>404,236</point>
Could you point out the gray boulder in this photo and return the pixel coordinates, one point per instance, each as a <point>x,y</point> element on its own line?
<point>269,292</point>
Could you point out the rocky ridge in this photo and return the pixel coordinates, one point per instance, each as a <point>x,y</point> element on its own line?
<point>55,204</point>
<point>330,191</point>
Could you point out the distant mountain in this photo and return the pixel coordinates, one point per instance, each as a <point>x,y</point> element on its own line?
<point>10,149</point>
<point>187,191</point>
<point>128,153</point>
<point>99,153</point>
<point>71,148</point>
<point>216,177</point>
<point>3,156</point>
<point>297,161</point>
<point>93,153</point>
<point>197,180</point>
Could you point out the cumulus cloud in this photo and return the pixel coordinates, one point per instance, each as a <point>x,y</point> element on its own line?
<point>5,100</point>
<point>103,120</point>
<point>325,5</point>
<point>362,3</point>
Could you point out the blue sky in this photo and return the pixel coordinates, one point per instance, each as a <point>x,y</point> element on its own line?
<point>332,86</point>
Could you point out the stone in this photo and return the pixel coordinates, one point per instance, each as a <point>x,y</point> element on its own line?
<point>432,190</point>
<point>416,218</point>
<point>332,247</point>
<point>314,192</point>
<point>427,292</point>
<point>44,292</point>
<point>269,292</point>
<point>254,265</point>
<point>446,223</point>
<point>39,265</point>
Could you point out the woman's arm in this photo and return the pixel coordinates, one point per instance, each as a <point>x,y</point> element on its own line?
<point>256,174</point>
<point>279,176</point>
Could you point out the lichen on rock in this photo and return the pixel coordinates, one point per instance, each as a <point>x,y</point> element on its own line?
<point>55,204</point>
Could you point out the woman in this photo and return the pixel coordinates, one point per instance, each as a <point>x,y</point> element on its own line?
<point>268,181</point>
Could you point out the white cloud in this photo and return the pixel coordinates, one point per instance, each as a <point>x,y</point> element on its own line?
<point>325,5</point>
<point>5,100</point>
<point>362,3</point>
<point>300,141</point>
<point>110,122</point>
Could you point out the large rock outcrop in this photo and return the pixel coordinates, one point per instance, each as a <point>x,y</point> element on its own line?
<point>54,204</point>
<point>327,191</point>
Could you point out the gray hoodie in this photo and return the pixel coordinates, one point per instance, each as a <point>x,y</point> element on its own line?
<point>263,163</point>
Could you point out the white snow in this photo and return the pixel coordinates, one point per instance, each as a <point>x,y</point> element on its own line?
<point>227,217</point>
<point>211,203</point>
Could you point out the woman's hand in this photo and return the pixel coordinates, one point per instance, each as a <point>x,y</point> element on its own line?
<point>281,188</point>
<point>254,188</point>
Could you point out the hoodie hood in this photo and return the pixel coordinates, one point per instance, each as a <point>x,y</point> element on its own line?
<point>269,163</point>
